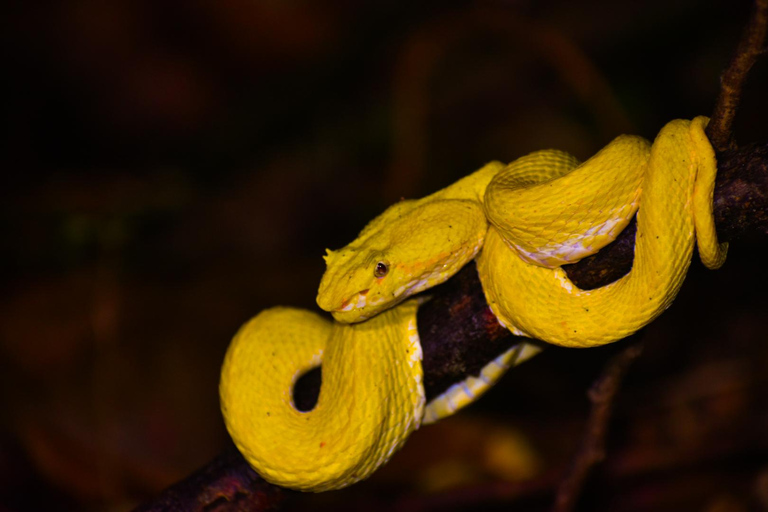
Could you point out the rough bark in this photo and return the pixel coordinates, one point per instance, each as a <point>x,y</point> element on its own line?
<point>226,483</point>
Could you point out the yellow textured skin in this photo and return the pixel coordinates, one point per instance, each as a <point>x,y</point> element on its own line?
<point>370,400</point>
<point>529,217</point>
<point>423,242</point>
<point>545,210</point>
<point>542,303</point>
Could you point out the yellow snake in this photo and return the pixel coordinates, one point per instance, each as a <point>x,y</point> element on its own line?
<point>522,222</point>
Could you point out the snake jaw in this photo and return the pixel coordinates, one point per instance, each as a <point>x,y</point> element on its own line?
<point>359,307</point>
<point>349,285</point>
<point>348,289</point>
<point>357,301</point>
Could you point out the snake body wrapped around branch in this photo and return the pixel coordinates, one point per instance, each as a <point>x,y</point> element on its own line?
<point>522,222</point>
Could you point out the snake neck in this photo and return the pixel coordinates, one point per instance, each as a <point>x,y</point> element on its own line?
<point>471,187</point>
<point>370,400</point>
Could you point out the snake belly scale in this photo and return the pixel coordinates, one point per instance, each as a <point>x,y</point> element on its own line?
<point>522,222</point>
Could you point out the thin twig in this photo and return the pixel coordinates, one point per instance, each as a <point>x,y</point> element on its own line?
<point>592,451</point>
<point>751,45</point>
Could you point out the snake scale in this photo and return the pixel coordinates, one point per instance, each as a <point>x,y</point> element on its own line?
<point>521,222</point>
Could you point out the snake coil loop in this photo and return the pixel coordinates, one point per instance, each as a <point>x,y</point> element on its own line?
<point>522,222</point>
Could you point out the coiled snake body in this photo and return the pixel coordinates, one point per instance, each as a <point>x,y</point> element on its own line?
<point>522,222</point>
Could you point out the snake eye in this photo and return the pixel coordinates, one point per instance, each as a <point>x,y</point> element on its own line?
<point>381,269</point>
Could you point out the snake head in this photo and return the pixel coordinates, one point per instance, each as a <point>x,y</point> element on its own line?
<point>412,246</point>
<point>356,283</point>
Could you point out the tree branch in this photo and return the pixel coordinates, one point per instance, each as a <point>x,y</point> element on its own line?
<point>592,451</point>
<point>751,45</point>
<point>225,483</point>
<point>458,331</point>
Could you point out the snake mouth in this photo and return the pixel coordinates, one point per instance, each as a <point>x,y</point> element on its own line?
<point>360,300</point>
<point>356,301</point>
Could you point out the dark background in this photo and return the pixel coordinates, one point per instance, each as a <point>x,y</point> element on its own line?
<point>171,168</point>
